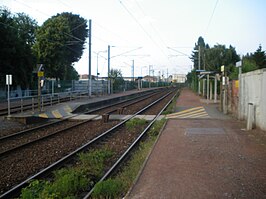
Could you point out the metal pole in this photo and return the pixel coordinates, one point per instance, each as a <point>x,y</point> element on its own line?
<point>208,86</point>
<point>39,93</point>
<point>199,68</point>
<point>240,92</point>
<point>90,58</point>
<point>215,89</point>
<point>133,70</point>
<point>8,98</point>
<point>149,76</point>
<point>199,58</point>
<point>109,83</point>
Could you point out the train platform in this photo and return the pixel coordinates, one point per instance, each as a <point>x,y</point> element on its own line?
<point>68,109</point>
<point>202,153</point>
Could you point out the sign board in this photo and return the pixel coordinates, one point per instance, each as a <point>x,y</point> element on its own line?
<point>222,68</point>
<point>236,84</point>
<point>40,73</point>
<point>225,80</point>
<point>239,63</point>
<point>8,79</point>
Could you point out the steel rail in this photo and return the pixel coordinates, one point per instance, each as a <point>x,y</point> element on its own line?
<point>16,189</point>
<point>125,154</point>
<point>23,132</point>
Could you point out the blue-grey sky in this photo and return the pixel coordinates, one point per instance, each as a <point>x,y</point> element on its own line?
<point>160,27</point>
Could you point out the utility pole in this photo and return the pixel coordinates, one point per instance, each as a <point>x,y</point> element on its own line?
<point>90,58</point>
<point>167,76</point>
<point>133,70</point>
<point>149,76</point>
<point>199,68</point>
<point>109,83</point>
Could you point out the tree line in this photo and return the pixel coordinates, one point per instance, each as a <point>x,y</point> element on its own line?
<point>57,44</point>
<point>209,58</point>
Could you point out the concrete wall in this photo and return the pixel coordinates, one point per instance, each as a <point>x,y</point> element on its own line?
<point>253,90</point>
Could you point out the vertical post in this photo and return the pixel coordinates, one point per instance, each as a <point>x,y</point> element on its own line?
<point>8,83</point>
<point>149,76</point>
<point>239,92</point>
<point>215,89</point>
<point>199,68</point>
<point>133,70</point>
<point>250,116</point>
<point>210,90</point>
<point>199,58</point>
<point>108,73</point>
<point>203,87</point>
<point>199,87</point>
<point>167,76</point>
<point>208,86</point>
<point>32,104</point>
<point>52,87</point>
<point>90,58</point>
<point>21,105</point>
<point>39,93</point>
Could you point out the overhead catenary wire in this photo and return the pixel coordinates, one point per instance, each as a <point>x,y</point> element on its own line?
<point>210,20</point>
<point>143,29</point>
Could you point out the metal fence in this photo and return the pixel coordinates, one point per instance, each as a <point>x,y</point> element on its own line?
<point>53,88</point>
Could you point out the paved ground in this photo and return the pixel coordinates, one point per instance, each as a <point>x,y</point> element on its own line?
<point>204,154</point>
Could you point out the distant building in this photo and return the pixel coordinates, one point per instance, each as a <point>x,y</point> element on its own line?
<point>179,78</point>
<point>148,78</point>
<point>86,77</point>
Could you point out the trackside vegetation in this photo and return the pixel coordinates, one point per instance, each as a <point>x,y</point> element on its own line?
<point>118,186</point>
<point>69,182</point>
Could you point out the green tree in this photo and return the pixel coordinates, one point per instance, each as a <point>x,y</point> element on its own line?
<point>200,48</point>
<point>60,43</point>
<point>117,79</point>
<point>260,58</point>
<point>17,35</point>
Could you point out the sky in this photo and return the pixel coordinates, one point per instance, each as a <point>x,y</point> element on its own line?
<point>157,34</point>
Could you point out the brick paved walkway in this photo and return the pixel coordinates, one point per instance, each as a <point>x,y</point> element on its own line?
<point>204,158</point>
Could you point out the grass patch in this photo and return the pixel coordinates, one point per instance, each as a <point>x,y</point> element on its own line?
<point>171,107</point>
<point>68,182</point>
<point>135,122</point>
<point>124,180</point>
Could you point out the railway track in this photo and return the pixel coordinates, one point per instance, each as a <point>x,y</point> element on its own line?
<point>53,156</point>
<point>16,141</point>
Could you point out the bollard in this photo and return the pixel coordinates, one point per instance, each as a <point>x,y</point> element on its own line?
<point>250,116</point>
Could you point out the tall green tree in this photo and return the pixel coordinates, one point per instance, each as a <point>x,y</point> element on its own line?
<point>199,53</point>
<point>260,57</point>
<point>60,43</point>
<point>17,36</point>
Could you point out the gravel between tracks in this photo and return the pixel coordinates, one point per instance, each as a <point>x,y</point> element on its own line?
<point>30,160</point>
